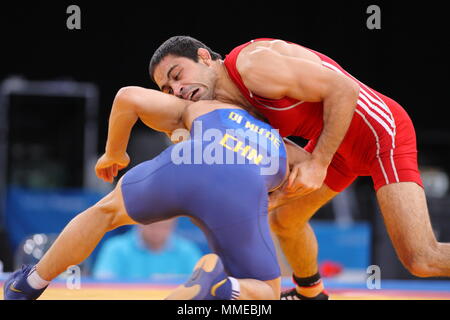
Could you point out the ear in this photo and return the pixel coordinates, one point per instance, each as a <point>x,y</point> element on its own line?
<point>204,56</point>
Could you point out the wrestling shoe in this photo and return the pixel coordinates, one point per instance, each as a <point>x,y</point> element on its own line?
<point>292,294</point>
<point>16,287</point>
<point>207,282</point>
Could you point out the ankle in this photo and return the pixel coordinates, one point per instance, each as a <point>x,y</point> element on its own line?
<point>35,281</point>
<point>309,286</point>
<point>235,288</point>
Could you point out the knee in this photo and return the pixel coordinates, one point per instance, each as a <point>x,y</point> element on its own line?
<point>419,263</point>
<point>418,268</point>
<point>105,213</point>
<point>283,226</point>
<point>108,215</point>
<point>276,225</point>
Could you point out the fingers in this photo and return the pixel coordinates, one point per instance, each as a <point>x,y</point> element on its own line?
<point>302,191</point>
<point>291,179</point>
<point>276,199</point>
<point>115,170</point>
<point>104,174</point>
<point>98,173</point>
<point>107,174</point>
<point>298,187</point>
<point>107,168</point>
<point>101,174</point>
<point>297,183</point>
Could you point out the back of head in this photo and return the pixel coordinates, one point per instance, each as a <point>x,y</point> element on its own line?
<point>179,46</point>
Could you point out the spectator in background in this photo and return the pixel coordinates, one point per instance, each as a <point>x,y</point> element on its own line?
<point>146,251</point>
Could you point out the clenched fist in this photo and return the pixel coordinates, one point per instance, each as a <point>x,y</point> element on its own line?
<point>108,166</point>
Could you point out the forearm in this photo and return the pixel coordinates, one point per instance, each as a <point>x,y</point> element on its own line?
<point>338,111</point>
<point>121,120</point>
<point>294,152</point>
<point>159,111</point>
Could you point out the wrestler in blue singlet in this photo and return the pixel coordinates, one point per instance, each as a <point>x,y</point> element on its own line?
<point>227,201</point>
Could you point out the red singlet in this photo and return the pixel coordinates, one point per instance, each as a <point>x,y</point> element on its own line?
<point>380,141</point>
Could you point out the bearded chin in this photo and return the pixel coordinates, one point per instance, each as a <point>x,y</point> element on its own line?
<point>209,95</point>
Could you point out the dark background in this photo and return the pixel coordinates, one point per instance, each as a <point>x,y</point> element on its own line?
<point>407,59</point>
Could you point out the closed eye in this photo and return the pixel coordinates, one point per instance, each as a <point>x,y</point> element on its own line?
<point>167,89</point>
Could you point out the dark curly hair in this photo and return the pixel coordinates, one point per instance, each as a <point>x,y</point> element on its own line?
<point>180,46</point>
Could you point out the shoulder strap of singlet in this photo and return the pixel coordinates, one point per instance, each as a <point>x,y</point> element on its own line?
<point>230,65</point>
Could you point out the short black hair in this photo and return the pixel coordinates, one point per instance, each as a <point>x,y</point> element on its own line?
<point>180,46</point>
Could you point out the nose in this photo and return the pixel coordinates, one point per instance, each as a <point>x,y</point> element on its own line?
<point>178,90</point>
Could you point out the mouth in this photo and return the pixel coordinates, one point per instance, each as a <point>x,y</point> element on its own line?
<point>192,97</point>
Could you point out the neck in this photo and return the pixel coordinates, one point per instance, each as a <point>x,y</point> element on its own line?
<point>226,91</point>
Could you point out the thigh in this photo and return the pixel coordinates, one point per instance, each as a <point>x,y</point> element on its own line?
<point>149,190</point>
<point>113,204</point>
<point>247,249</point>
<point>393,167</point>
<point>339,174</point>
<point>406,217</point>
<point>236,224</point>
<point>298,211</point>
<point>396,160</point>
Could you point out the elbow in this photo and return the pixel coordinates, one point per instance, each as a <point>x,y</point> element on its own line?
<point>342,90</point>
<point>125,101</point>
<point>352,89</point>
<point>125,94</point>
<point>128,98</point>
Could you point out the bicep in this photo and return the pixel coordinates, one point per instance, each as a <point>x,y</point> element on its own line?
<point>273,75</point>
<point>158,110</point>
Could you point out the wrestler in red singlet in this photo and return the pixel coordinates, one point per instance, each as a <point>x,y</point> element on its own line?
<point>380,141</point>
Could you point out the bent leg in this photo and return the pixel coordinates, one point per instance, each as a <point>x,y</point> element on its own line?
<point>235,222</point>
<point>289,219</point>
<point>249,256</point>
<point>80,237</point>
<point>296,237</point>
<point>406,217</point>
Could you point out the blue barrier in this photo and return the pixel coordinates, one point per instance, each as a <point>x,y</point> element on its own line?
<point>48,211</point>
<point>348,245</point>
<point>30,211</point>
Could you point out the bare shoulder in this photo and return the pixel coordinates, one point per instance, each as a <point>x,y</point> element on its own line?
<point>268,67</point>
<point>259,51</point>
<point>199,108</point>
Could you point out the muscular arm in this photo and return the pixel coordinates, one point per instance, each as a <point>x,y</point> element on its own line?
<point>278,71</point>
<point>159,111</point>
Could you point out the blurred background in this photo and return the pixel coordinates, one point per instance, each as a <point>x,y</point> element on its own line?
<point>57,86</point>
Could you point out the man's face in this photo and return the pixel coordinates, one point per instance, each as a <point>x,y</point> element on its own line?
<point>186,78</point>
